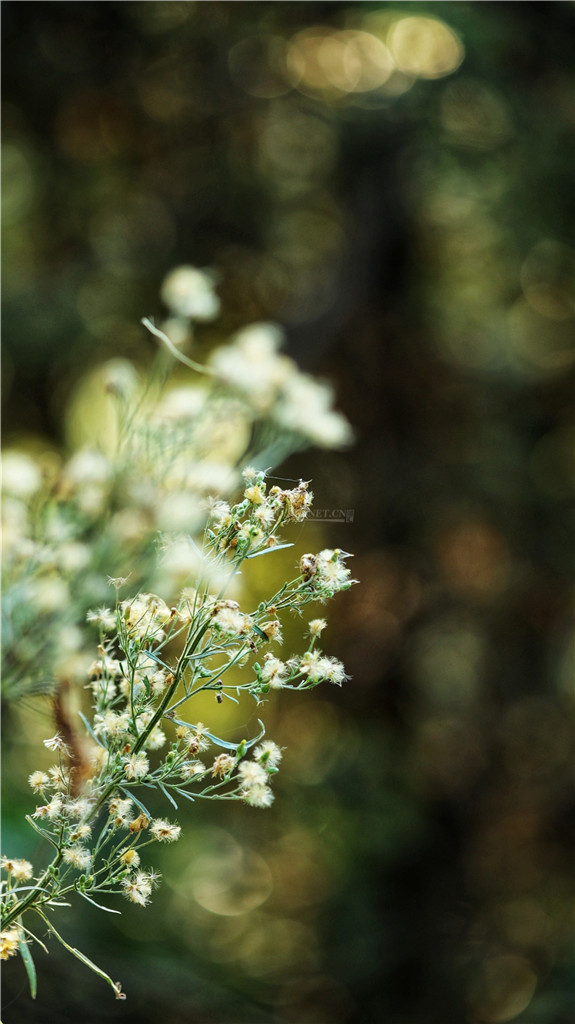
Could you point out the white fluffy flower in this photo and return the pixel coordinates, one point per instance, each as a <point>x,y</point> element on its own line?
<point>189,292</point>
<point>252,365</point>
<point>136,766</point>
<point>138,888</point>
<point>227,617</point>
<point>183,403</point>
<point>273,672</point>
<point>38,781</point>
<point>268,753</point>
<point>258,795</point>
<point>332,570</point>
<point>88,467</point>
<point>305,407</point>
<point>21,477</point>
<point>251,773</point>
<point>164,831</point>
<point>21,870</point>
<point>77,857</point>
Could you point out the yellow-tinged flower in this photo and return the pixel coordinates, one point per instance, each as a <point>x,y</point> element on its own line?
<point>227,617</point>
<point>255,494</point>
<point>139,824</point>
<point>316,626</point>
<point>272,630</point>
<point>50,810</point>
<point>222,765</point>
<point>129,857</point>
<point>164,831</point>
<point>21,870</point>
<point>9,941</point>
<point>332,670</point>
<point>59,777</point>
<point>265,515</point>
<point>121,810</point>
<point>80,832</point>
<point>38,781</point>
<point>332,571</point>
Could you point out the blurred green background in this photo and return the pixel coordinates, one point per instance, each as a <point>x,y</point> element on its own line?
<point>393,183</point>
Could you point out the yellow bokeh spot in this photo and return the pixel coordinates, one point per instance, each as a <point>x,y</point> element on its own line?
<point>373,62</point>
<point>228,879</point>
<point>338,63</point>
<point>425,47</point>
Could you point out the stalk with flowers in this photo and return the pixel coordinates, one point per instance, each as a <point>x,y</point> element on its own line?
<point>158,512</point>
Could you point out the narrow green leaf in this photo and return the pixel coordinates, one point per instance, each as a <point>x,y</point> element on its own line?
<point>229,697</point>
<point>98,905</point>
<point>29,965</point>
<point>188,796</point>
<point>260,735</point>
<point>267,551</point>
<point>83,958</point>
<point>138,803</point>
<point>41,832</point>
<point>225,744</point>
<point>167,795</point>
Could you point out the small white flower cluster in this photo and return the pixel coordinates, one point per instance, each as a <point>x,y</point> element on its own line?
<point>190,293</point>
<point>10,942</point>
<point>178,447</point>
<point>147,616</point>
<point>74,529</point>
<point>299,673</point>
<point>316,667</point>
<point>104,618</point>
<point>274,672</point>
<point>17,871</point>
<point>138,887</point>
<point>252,525</point>
<point>78,857</point>
<point>255,775</point>
<point>227,618</point>
<point>20,870</point>
<point>136,766</point>
<point>326,573</point>
<point>253,366</point>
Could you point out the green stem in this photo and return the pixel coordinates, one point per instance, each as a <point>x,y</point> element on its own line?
<point>33,896</point>
<point>115,985</point>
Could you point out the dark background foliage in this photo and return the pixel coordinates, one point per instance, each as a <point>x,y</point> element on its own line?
<point>416,243</point>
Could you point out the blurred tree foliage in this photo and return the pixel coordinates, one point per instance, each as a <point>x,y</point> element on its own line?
<point>394,184</point>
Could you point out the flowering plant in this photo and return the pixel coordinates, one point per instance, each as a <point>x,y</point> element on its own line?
<point>159,508</point>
